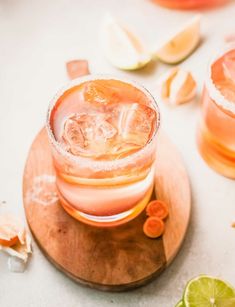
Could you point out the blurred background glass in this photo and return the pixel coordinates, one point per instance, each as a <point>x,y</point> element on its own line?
<point>190,4</point>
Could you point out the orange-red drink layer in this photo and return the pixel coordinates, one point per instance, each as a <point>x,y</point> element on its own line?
<point>189,4</point>
<point>216,135</point>
<point>103,137</point>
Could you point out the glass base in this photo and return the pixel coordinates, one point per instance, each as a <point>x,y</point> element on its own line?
<point>215,157</point>
<point>106,221</point>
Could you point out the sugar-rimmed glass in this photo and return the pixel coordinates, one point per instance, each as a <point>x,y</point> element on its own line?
<point>99,192</point>
<point>216,132</point>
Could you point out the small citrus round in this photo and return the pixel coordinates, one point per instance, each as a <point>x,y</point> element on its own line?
<point>153,227</point>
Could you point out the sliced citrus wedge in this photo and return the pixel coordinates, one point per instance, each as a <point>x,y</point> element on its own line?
<point>121,47</point>
<point>177,86</point>
<point>14,238</point>
<point>181,44</point>
<point>182,88</point>
<point>208,291</point>
<point>164,82</point>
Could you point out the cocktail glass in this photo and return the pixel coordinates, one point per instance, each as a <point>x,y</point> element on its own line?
<point>216,133</point>
<point>190,4</point>
<point>103,134</point>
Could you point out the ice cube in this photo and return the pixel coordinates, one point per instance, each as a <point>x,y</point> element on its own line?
<point>120,129</point>
<point>104,129</point>
<point>134,123</point>
<point>73,133</point>
<point>135,120</point>
<point>88,134</point>
<point>77,68</point>
<point>16,265</point>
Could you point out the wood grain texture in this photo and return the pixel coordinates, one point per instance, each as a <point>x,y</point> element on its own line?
<point>172,186</point>
<point>113,259</point>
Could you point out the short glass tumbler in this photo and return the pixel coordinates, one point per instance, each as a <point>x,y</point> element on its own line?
<point>216,131</point>
<point>106,191</point>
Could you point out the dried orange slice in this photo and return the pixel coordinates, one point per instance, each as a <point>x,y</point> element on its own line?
<point>157,208</point>
<point>153,227</point>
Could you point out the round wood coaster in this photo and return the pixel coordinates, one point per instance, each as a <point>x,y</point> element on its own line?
<point>113,259</point>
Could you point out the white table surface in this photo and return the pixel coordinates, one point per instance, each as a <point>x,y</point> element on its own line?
<point>36,39</point>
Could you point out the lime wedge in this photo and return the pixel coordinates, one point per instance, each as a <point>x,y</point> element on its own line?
<point>227,302</point>
<point>205,291</point>
<point>180,304</point>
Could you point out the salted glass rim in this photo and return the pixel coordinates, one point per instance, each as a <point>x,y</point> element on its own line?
<point>87,161</point>
<point>213,91</point>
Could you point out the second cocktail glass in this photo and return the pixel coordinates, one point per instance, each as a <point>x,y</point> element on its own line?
<point>103,134</point>
<point>190,4</point>
<point>216,133</point>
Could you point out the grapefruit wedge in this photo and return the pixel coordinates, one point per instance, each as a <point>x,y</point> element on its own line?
<point>181,44</point>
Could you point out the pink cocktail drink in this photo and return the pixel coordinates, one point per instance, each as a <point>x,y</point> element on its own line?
<point>216,134</point>
<point>103,136</point>
<point>190,4</point>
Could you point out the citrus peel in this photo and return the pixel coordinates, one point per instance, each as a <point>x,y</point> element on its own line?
<point>177,86</point>
<point>14,238</point>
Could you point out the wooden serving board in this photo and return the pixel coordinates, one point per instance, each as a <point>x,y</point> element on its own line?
<point>113,259</point>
